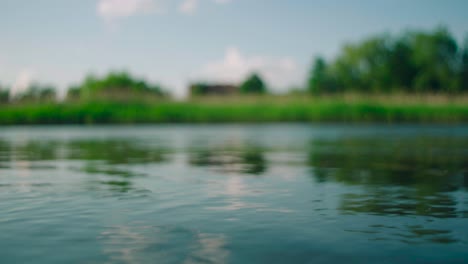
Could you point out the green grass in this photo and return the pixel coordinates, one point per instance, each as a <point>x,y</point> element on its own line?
<point>343,108</point>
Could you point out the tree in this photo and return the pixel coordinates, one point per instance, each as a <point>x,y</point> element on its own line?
<point>4,94</point>
<point>415,61</point>
<point>464,67</point>
<point>73,93</point>
<point>115,85</point>
<point>253,84</point>
<point>37,93</point>
<point>319,80</point>
<point>401,67</point>
<point>435,56</point>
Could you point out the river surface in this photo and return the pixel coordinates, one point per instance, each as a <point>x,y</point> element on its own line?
<point>288,193</point>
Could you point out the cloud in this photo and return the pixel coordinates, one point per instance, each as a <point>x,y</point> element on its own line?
<point>111,10</point>
<point>279,73</point>
<point>188,6</point>
<point>23,81</point>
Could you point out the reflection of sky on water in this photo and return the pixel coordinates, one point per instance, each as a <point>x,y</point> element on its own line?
<point>235,194</point>
<point>127,244</point>
<point>231,193</point>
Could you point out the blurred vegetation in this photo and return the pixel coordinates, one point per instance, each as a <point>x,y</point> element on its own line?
<point>199,88</point>
<point>4,95</point>
<point>414,61</point>
<point>203,89</point>
<point>265,108</point>
<point>253,85</point>
<point>36,93</point>
<point>115,86</point>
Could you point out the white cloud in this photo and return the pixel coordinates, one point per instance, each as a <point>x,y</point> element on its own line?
<point>188,6</point>
<point>279,73</point>
<point>111,10</point>
<point>23,80</point>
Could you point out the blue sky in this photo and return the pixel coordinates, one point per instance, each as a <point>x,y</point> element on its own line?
<point>174,42</point>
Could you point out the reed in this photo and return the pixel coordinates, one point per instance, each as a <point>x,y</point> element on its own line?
<point>392,108</point>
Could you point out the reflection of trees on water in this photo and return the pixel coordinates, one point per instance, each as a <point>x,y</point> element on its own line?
<point>118,180</point>
<point>118,186</point>
<point>432,235</point>
<point>5,149</point>
<point>112,159</point>
<point>409,234</point>
<point>35,151</point>
<point>108,159</point>
<point>29,155</point>
<point>248,160</point>
<point>115,151</point>
<point>109,151</point>
<point>391,202</point>
<point>405,177</point>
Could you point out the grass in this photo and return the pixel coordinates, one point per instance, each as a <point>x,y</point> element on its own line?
<point>339,108</point>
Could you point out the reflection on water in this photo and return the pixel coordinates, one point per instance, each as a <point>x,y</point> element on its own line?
<point>409,234</point>
<point>125,244</point>
<point>241,194</point>
<point>123,151</point>
<point>249,160</point>
<point>413,176</point>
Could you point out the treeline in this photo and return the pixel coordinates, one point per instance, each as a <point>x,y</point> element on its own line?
<point>414,61</point>
<point>35,93</point>
<point>122,86</point>
<point>115,86</point>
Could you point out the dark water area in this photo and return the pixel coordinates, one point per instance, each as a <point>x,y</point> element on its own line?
<point>287,193</point>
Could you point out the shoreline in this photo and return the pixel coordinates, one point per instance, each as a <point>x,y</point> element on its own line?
<point>268,109</point>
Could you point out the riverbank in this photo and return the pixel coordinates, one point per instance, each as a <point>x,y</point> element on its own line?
<point>298,108</point>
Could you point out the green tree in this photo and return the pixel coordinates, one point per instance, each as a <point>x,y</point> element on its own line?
<point>73,93</point>
<point>254,85</point>
<point>374,63</point>
<point>371,65</point>
<point>115,85</point>
<point>318,79</point>
<point>464,67</point>
<point>414,61</point>
<point>435,56</point>
<point>364,66</point>
<point>37,93</point>
<point>401,67</point>
<point>345,71</point>
<point>4,95</point>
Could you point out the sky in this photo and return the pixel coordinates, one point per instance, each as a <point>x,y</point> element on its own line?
<point>176,42</point>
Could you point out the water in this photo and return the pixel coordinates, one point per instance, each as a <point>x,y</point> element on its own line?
<point>234,194</point>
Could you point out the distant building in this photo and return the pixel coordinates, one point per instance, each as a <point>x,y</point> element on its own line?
<point>213,89</point>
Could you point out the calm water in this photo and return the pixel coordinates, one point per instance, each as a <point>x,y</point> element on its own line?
<point>234,194</point>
